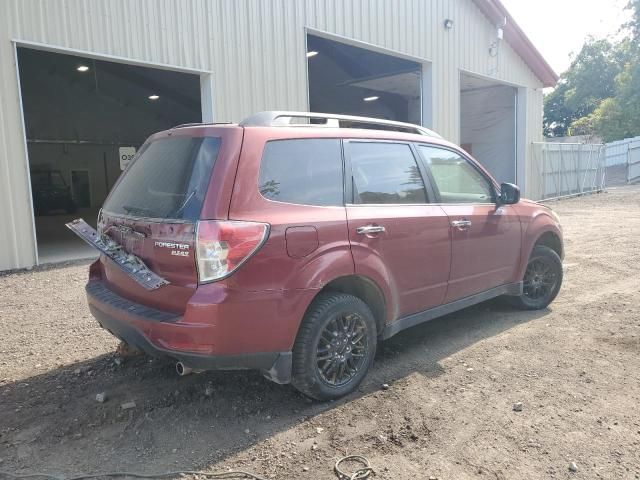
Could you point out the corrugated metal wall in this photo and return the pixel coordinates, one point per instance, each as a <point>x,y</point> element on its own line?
<point>256,52</point>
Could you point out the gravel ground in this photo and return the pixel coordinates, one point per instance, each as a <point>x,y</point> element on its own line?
<point>448,412</point>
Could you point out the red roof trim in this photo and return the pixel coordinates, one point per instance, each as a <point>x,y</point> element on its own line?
<point>496,12</point>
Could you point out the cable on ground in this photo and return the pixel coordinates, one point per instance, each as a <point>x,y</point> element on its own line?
<point>359,474</point>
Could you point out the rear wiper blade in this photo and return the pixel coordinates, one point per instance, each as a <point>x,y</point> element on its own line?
<point>186,201</point>
<point>129,263</point>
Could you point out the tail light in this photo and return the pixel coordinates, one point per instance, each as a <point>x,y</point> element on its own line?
<point>223,246</point>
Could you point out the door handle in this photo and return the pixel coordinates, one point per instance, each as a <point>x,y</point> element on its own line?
<point>367,229</point>
<point>461,224</point>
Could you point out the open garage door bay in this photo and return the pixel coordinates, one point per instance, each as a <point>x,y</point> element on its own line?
<point>488,125</point>
<point>84,120</point>
<point>351,80</point>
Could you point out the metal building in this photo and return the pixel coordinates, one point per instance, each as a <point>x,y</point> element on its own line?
<point>83,82</point>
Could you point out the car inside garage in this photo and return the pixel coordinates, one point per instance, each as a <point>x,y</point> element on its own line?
<point>488,125</point>
<point>84,120</point>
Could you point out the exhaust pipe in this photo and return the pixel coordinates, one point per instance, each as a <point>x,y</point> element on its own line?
<point>182,369</point>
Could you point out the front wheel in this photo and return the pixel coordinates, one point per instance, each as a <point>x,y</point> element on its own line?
<point>335,346</point>
<point>542,280</point>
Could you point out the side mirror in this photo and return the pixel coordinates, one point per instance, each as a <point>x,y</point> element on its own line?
<point>509,194</point>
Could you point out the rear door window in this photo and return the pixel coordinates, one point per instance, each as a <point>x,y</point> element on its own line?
<point>167,180</point>
<point>306,171</point>
<point>385,173</point>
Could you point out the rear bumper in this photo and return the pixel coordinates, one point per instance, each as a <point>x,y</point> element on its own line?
<point>152,330</point>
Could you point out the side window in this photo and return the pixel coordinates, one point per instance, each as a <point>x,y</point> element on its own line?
<point>305,171</point>
<point>455,178</point>
<point>385,173</point>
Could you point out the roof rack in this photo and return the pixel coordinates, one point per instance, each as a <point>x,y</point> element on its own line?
<point>312,119</point>
<point>199,124</point>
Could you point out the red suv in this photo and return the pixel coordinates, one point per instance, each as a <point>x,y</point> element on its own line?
<point>292,242</point>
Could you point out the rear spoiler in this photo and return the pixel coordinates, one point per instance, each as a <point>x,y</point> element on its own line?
<point>128,263</point>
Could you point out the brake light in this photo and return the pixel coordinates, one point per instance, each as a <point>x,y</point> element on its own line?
<point>222,246</point>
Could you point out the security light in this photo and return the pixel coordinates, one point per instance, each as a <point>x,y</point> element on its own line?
<point>82,68</point>
<point>371,99</point>
<point>448,24</point>
<point>312,53</point>
<point>154,97</point>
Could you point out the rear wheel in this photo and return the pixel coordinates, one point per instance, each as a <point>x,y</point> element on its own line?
<point>542,280</point>
<point>335,346</point>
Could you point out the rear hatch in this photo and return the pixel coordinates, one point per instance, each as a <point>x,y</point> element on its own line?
<point>153,211</point>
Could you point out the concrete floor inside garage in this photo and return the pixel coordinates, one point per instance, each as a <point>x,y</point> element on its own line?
<point>81,116</point>
<point>59,244</point>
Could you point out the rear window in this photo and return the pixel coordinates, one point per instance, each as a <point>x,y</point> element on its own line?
<point>167,180</point>
<point>385,173</point>
<point>302,171</point>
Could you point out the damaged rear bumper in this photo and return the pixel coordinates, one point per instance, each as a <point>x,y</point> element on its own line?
<point>144,328</point>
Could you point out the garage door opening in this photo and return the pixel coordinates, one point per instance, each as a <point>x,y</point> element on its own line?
<point>344,79</point>
<point>84,120</point>
<point>488,125</point>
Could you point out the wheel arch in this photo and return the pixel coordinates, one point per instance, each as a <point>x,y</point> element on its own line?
<point>363,288</point>
<point>547,237</point>
<point>552,240</point>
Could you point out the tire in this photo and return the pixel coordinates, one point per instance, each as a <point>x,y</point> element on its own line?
<point>336,326</point>
<point>542,280</point>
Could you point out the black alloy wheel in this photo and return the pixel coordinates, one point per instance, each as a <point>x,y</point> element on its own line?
<point>342,349</point>
<point>539,279</point>
<point>335,346</point>
<point>542,280</point>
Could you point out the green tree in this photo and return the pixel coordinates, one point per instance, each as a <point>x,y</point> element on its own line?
<point>634,24</point>
<point>557,115</point>
<point>617,117</point>
<point>589,80</point>
<point>600,92</point>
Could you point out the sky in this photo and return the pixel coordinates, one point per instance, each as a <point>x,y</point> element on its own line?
<point>559,27</point>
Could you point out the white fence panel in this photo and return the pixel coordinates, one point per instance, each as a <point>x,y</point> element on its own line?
<point>568,169</point>
<point>633,166</point>
<point>616,152</point>
<point>625,152</point>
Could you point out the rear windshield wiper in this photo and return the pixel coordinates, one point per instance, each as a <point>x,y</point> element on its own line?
<point>185,203</point>
<point>129,263</point>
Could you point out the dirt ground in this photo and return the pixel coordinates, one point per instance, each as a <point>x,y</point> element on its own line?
<point>447,414</point>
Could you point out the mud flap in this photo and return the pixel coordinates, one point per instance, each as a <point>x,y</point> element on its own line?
<point>127,262</point>
<point>280,371</point>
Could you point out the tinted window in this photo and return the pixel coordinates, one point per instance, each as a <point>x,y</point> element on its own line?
<point>385,173</point>
<point>167,180</point>
<point>303,171</point>
<point>455,178</point>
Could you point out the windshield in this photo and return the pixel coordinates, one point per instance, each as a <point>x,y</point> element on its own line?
<point>167,180</point>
